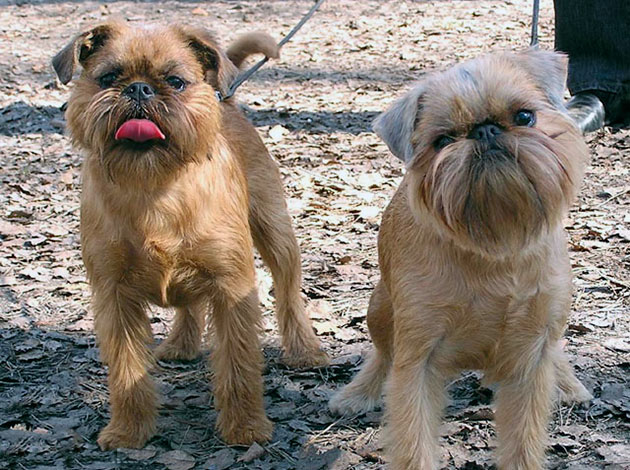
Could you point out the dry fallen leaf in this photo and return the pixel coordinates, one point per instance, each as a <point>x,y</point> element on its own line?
<point>278,132</point>
<point>255,451</point>
<point>618,344</point>
<point>199,12</point>
<point>177,460</point>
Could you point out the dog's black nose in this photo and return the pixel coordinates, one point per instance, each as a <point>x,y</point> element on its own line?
<point>485,132</point>
<point>139,91</point>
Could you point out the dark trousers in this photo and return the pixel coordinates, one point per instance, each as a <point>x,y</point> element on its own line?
<point>596,36</point>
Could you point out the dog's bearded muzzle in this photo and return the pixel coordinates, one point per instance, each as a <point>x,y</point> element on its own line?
<point>496,198</point>
<point>176,141</point>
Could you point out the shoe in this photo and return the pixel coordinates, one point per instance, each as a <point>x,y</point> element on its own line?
<point>617,105</point>
<point>587,110</point>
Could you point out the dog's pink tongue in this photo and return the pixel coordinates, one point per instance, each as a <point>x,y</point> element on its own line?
<point>139,130</point>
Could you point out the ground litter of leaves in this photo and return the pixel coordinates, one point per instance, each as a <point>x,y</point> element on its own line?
<point>313,108</point>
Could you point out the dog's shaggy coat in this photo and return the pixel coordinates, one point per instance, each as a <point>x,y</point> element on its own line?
<point>174,222</point>
<point>473,257</point>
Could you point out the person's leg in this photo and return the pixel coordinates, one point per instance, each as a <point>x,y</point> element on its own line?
<point>595,36</point>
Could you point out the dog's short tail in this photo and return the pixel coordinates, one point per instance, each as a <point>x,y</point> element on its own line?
<point>252,43</point>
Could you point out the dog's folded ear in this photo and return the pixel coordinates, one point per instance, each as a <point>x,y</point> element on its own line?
<point>80,49</point>
<point>549,71</point>
<point>219,71</point>
<point>396,125</point>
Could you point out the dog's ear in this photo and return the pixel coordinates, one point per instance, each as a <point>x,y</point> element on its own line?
<point>549,71</point>
<point>219,71</point>
<point>80,49</point>
<point>396,125</point>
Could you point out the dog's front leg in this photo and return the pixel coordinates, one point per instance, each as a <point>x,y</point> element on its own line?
<point>415,398</point>
<point>237,366</point>
<point>123,332</point>
<point>526,385</point>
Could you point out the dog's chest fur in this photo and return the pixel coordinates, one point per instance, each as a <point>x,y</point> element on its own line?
<point>167,245</point>
<point>169,275</point>
<point>466,298</point>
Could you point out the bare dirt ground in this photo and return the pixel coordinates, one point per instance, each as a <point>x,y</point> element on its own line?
<point>313,108</point>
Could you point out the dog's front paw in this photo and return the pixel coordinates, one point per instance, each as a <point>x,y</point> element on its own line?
<point>114,436</point>
<point>172,351</point>
<point>253,430</point>
<point>347,401</point>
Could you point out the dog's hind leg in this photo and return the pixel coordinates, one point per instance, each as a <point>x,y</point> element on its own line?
<point>570,389</point>
<point>274,239</point>
<point>364,392</point>
<point>184,341</point>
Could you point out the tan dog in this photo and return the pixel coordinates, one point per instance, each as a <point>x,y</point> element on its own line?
<point>177,188</point>
<point>475,270</point>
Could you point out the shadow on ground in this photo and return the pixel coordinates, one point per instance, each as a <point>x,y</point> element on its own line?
<point>319,122</point>
<point>54,402</point>
<point>20,118</point>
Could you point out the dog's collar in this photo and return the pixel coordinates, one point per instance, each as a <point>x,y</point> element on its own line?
<point>219,96</point>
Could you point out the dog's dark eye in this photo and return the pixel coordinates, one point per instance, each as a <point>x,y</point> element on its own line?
<point>107,80</point>
<point>525,117</point>
<point>442,142</point>
<point>176,82</point>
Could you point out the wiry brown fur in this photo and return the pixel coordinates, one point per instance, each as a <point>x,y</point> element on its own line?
<point>174,223</point>
<point>475,270</point>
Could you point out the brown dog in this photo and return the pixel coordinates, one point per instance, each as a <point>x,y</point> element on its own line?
<point>177,188</point>
<point>475,270</point>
